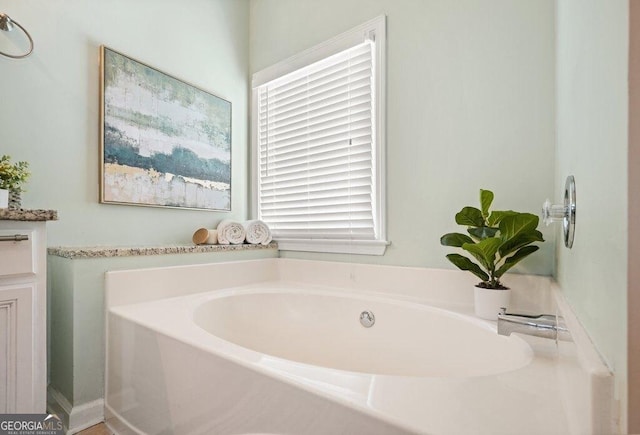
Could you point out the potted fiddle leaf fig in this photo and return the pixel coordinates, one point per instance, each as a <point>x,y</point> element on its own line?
<point>12,177</point>
<point>495,241</point>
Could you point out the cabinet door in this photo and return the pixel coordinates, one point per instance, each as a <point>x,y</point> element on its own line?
<point>16,348</point>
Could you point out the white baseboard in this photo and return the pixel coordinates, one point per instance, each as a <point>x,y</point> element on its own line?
<point>75,418</point>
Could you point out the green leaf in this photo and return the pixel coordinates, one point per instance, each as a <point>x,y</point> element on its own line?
<point>482,233</point>
<point>517,242</point>
<point>470,216</point>
<point>455,239</point>
<point>515,259</point>
<point>486,198</point>
<point>484,251</point>
<point>463,263</point>
<point>496,216</point>
<point>511,226</point>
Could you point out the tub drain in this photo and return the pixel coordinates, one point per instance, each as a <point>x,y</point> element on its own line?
<point>367,319</point>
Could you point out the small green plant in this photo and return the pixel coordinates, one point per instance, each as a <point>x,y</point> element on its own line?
<point>498,240</point>
<point>13,175</point>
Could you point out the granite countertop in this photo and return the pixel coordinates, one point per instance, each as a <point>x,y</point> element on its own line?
<point>110,251</point>
<point>28,215</point>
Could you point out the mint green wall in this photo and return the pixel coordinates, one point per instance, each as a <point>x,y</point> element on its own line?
<point>470,104</point>
<point>470,92</point>
<point>50,102</point>
<point>592,144</point>
<point>60,303</point>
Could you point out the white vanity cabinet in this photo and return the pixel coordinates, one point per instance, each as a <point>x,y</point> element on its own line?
<point>23,297</point>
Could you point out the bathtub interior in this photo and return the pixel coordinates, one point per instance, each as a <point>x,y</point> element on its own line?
<point>322,328</point>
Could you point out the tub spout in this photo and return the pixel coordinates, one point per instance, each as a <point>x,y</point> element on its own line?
<point>543,325</point>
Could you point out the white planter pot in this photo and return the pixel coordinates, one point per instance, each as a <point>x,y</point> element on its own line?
<point>4,198</point>
<point>488,302</point>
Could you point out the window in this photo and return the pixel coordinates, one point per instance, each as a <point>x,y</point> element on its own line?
<point>318,145</point>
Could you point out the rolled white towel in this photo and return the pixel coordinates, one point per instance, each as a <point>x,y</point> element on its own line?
<point>257,232</point>
<point>230,232</point>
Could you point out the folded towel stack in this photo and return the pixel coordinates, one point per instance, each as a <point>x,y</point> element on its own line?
<point>230,232</point>
<point>257,232</point>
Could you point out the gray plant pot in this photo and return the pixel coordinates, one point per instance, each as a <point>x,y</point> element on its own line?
<point>15,200</point>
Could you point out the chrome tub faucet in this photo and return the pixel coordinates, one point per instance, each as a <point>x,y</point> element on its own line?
<point>543,325</point>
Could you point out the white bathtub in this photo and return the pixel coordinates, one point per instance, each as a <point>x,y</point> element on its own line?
<point>289,359</point>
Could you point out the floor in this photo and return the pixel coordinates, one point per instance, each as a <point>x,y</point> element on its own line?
<point>98,429</point>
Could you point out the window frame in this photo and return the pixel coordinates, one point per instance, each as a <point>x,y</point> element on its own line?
<point>374,29</point>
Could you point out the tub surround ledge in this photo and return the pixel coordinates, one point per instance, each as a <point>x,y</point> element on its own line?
<point>28,215</point>
<point>111,251</point>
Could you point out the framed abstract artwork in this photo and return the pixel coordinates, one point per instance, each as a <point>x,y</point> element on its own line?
<point>164,142</point>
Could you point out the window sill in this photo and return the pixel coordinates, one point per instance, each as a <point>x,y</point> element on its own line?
<point>362,247</point>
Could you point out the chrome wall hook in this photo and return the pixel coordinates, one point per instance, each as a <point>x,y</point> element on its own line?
<point>563,212</point>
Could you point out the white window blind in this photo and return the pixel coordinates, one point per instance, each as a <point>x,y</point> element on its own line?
<point>315,136</point>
